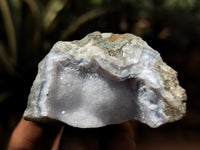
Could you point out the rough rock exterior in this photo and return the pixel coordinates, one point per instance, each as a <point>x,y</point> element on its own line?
<point>105,79</point>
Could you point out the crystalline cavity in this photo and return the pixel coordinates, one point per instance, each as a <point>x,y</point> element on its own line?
<point>105,79</point>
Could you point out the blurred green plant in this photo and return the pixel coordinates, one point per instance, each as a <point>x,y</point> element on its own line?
<point>8,59</point>
<point>29,28</point>
<point>180,4</point>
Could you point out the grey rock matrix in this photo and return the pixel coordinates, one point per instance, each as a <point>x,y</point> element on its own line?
<point>105,79</point>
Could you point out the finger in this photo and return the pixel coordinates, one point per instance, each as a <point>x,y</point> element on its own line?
<point>120,141</point>
<point>79,139</point>
<point>30,136</point>
<point>57,140</point>
<point>118,137</point>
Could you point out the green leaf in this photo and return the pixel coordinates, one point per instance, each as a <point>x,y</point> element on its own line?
<point>4,96</point>
<point>52,10</point>
<point>81,20</point>
<point>10,30</point>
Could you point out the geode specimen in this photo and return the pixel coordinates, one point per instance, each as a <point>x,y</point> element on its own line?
<point>105,79</point>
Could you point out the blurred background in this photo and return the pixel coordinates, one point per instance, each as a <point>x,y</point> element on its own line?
<point>29,28</point>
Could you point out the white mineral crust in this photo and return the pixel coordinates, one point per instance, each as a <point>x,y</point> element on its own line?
<point>105,79</point>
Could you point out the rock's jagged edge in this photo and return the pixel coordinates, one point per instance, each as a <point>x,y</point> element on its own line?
<point>121,60</point>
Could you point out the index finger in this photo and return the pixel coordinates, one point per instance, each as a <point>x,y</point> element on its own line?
<point>30,136</point>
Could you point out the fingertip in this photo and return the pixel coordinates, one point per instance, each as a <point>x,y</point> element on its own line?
<point>119,137</point>
<point>29,135</point>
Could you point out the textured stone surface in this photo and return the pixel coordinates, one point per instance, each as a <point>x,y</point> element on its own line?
<point>105,79</point>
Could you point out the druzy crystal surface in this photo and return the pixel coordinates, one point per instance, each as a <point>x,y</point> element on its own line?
<point>105,79</point>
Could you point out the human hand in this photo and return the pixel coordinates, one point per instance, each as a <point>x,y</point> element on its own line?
<point>32,136</point>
